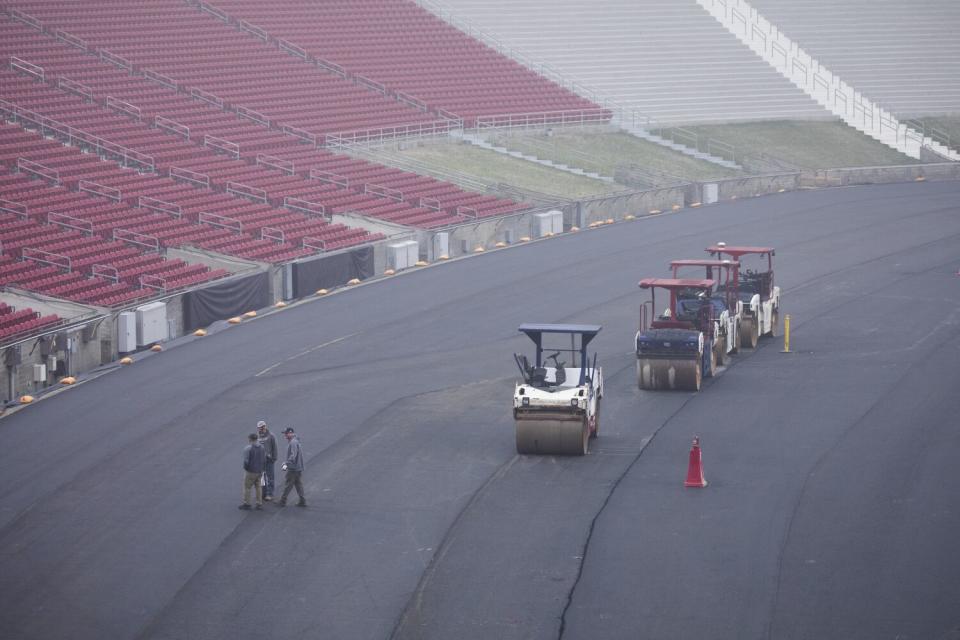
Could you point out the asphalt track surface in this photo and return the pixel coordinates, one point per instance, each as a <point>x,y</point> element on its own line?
<point>831,510</point>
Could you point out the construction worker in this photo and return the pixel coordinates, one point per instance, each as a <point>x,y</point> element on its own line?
<point>294,468</point>
<point>253,461</point>
<point>269,443</point>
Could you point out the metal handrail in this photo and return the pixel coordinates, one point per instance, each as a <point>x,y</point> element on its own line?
<point>392,133</point>
<point>866,114</point>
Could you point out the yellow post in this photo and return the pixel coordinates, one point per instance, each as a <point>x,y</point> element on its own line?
<point>786,334</point>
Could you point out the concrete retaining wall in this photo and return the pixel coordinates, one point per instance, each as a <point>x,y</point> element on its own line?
<point>83,350</point>
<point>636,203</point>
<point>485,232</point>
<point>751,186</point>
<point>488,232</point>
<point>175,316</point>
<point>880,175</point>
<point>75,350</point>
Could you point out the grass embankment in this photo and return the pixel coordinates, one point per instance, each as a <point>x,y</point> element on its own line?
<point>806,144</point>
<point>608,152</point>
<point>498,167</point>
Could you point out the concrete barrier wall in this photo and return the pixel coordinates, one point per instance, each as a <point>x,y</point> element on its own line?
<point>486,233</point>
<point>85,350</point>
<point>751,186</point>
<point>77,346</point>
<point>636,203</point>
<point>880,175</point>
<point>175,316</point>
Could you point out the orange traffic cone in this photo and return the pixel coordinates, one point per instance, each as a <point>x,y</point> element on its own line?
<point>695,468</point>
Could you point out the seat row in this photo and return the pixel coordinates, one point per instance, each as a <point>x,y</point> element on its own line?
<point>255,138</point>
<point>17,322</point>
<point>177,213</point>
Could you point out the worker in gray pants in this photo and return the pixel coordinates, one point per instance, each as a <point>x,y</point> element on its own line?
<point>294,468</point>
<point>269,443</point>
<point>253,462</point>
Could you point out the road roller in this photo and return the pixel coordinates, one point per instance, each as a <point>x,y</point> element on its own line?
<point>675,348</point>
<point>760,296</point>
<point>556,406</point>
<point>727,306</point>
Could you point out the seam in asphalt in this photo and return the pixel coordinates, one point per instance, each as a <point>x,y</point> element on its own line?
<point>415,601</point>
<point>603,506</point>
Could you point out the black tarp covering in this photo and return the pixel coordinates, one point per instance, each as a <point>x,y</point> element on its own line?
<point>331,271</point>
<point>222,301</point>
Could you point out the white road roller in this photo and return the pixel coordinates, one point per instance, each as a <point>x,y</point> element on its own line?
<point>760,296</point>
<point>556,407</point>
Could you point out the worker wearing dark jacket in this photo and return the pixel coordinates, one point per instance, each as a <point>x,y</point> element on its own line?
<point>253,463</point>
<point>294,468</point>
<point>269,443</point>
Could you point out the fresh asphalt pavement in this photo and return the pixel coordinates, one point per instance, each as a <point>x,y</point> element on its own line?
<point>830,511</point>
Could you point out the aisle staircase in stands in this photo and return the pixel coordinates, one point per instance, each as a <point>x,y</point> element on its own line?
<point>823,84</point>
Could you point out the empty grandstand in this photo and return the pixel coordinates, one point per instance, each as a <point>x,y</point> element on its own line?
<point>666,59</point>
<point>902,54</point>
<point>401,47</point>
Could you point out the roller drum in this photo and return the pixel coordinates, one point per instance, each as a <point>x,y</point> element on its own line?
<point>552,434</point>
<point>749,333</point>
<point>662,373</point>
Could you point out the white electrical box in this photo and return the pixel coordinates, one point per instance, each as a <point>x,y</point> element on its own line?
<point>39,373</point>
<point>710,193</point>
<point>127,332</point>
<point>542,225</point>
<point>547,224</point>
<point>151,323</point>
<point>556,221</point>
<point>397,256</point>
<point>402,255</point>
<point>441,245</point>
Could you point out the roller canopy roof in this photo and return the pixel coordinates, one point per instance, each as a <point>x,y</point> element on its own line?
<point>704,263</point>
<point>590,329</point>
<point>676,283</point>
<point>740,251</point>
